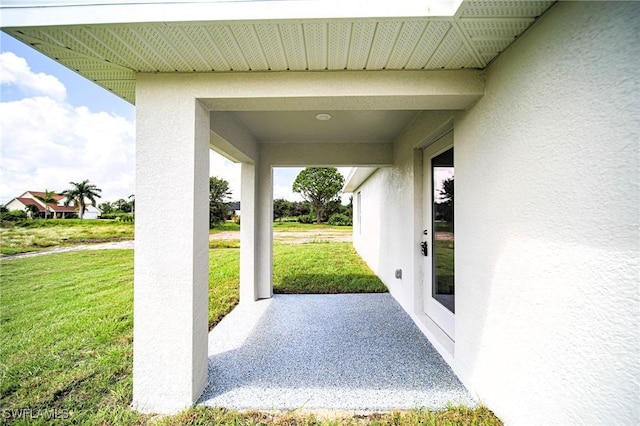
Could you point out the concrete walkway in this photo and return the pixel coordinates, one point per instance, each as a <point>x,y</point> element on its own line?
<point>115,245</point>
<point>356,352</point>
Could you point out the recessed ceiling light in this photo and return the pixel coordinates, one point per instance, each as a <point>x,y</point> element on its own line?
<point>323,116</point>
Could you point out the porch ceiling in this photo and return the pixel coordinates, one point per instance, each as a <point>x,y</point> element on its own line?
<point>343,126</point>
<point>109,49</point>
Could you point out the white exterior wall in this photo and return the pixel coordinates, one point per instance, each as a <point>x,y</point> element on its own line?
<point>15,205</point>
<point>91,212</point>
<point>547,220</point>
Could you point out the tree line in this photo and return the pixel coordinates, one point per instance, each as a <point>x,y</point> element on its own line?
<point>319,186</point>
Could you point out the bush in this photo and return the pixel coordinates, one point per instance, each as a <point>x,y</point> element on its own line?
<point>307,218</point>
<point>13,216</point>
<point>338,219</point>
<point>122,217</point>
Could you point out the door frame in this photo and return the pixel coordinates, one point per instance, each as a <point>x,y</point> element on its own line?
<point>440,315</point>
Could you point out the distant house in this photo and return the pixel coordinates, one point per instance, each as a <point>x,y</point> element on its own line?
<point>234,208</point>
<point>55,210</point>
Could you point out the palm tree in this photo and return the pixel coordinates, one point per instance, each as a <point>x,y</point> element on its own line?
<point>46,199</point>
<point>79,193</point>
<point>32,211</point>
<point>132,197</point>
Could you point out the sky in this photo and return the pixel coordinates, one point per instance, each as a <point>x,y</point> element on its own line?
<point>57,127</point>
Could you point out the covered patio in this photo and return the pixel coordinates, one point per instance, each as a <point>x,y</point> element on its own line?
<point>358,352</point>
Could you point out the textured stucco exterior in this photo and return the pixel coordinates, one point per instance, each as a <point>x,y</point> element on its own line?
<point>547,221</point>
<point>171,256</point>
<point>180,116</point>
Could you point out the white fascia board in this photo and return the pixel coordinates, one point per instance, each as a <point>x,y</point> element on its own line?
<point>21,13</point>
<point>356,177</point>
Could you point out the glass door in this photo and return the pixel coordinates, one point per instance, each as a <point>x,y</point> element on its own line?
<point>443,286</point>
<point>439,234</point>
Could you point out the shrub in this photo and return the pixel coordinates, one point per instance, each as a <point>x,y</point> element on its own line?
<point>122,217</point>
<point>339,219</point>
<point>307,218</point>
<point>13,216</point>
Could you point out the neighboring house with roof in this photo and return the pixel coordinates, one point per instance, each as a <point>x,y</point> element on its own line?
<point>538,310</point>
<point>234,208</point>
<point>54,210</point>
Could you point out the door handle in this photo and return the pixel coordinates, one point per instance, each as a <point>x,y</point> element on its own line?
<point>424,246</point>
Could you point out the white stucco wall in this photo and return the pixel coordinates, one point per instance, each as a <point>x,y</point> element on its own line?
<point>170,306</point>
<point>547,220</point>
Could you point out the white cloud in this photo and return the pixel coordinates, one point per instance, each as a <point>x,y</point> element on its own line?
<point>47,143</point>
<point>285,191</point>
<point>15,71</point>
<point>222,168</point>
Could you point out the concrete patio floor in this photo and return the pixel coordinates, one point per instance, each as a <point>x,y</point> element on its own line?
<point>340,352</point>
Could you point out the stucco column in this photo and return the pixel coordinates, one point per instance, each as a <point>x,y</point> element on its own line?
<point>171,250</point>
<point>248,233</point>
<point>264,239</point>
<point>256,232</point>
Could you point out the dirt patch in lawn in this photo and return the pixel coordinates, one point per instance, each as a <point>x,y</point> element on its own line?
<point>293,237</point>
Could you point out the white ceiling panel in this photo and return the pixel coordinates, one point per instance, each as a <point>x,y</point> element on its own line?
<point>226,43</point>
<point>428,44</point>
<point>315,37</point>
<point>294,48</point>
<point>339,42</point>
<point>502,8</point>
<point>250,45</point>
<point>384,42</point>
<point>111,54</point>
<point>271,42</point>
<point>361,38</point>
<point>407,42</point>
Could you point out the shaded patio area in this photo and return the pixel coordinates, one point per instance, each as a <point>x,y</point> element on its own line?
<point>349,352</point>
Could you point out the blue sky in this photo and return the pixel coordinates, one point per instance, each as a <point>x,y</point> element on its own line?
<point>57,127</point>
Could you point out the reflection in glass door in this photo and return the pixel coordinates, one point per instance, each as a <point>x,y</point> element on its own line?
<point>442,178</point>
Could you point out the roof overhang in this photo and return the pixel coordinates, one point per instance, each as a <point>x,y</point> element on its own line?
<point>111,42</point>
<point>86,12</point>
<point>357,177</point>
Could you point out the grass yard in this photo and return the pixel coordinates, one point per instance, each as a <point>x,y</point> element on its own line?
<point>39,234</point>
<point>225,227</point>
<point>296,226</point>
<point>66,327</point>
<point>322,268</point>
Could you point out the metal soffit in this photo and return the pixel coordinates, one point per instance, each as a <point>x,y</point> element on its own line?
<point>111,54</point>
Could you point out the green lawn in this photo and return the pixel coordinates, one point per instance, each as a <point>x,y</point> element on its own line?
<point>40,234</point>
<point>66,328</point>
<point>296,226</point>
<point>225,226</point>
<point>322,268</point>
